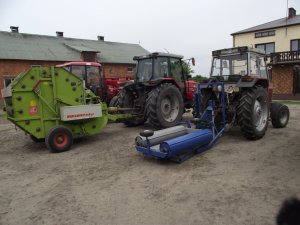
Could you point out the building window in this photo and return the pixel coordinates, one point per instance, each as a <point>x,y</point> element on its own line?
<point>130,69</point>
<point>7,80</point>
<point>267,47</point>
<point>265,34</point>
<point>295,45</point>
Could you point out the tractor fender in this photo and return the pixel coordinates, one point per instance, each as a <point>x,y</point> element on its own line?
<point>128,83</point>
<point>253,81</point>
<point>154,83</point>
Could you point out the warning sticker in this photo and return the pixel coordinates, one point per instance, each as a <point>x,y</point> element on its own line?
<point>33,109</point>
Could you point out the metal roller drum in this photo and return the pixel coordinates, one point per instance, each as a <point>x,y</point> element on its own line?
<point>162,135</point>
<point>189,141</point>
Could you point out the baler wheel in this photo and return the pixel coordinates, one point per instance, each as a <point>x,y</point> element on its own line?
<point>253,113</point>
<point>59,139</point>
<point>280,115</point>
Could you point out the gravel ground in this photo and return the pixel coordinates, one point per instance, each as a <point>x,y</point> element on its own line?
<point>103,180</point>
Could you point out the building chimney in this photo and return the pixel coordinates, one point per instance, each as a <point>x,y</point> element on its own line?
<point>292,13</point>
<point>100,38</point>
<point>59,34</point>
<point>14,29</point>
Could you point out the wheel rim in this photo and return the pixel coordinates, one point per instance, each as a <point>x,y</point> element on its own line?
<point>260,113</point>
<point>283,116</point>
<point>60,140</point>
<point>170,108</point>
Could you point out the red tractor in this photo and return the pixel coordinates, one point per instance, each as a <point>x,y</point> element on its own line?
<point>160,92</point>
<point>248,92</point>
<point>90,72</point>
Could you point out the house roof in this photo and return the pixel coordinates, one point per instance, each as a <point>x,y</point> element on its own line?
<point>23,46</point>
<point>283,22</point>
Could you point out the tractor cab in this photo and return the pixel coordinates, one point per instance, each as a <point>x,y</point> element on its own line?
<point>234,64</point>
<point>156,68</point>
<point>160,66</point>
<point>90,72</point>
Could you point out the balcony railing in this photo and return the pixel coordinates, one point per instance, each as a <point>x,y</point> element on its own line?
<point>285,57</point>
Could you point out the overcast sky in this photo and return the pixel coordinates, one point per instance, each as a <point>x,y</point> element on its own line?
<point>188,27</point>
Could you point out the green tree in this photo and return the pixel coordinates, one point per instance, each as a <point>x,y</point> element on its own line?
<point>187,68</point>
<point>198,78</point>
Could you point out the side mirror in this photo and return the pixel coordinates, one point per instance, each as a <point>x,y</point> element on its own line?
<point>193,61</point>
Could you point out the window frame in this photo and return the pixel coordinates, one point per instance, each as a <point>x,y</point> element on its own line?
<point>7,78</point>
<point>298,44</point>
<point>130,69</point>
<point>269,33</point>
<point>265,46</point>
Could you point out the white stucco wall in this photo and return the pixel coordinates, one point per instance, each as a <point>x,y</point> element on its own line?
<point>282,38</point>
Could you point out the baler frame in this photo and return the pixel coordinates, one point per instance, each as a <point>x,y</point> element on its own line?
<point>51,104</point>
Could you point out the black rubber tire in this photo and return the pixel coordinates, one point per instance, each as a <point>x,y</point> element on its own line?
<point>59,134</point>
<point>37,140</point>
<point>246,112</point>
<point>114,101</point>
<point>154,102</point>
<point>278,111</point>
<point>125,100</point>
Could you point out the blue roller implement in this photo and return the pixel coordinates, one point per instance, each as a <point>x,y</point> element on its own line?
<point>181,142</point>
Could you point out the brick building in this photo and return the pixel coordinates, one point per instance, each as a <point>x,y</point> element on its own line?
<point>20,51</point>
<point>280,39</point>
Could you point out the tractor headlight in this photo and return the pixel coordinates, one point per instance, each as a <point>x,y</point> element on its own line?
<point>219,88</point>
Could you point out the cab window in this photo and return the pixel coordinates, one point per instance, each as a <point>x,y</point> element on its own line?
<point>93,76</point>
<point>78,71</point>
<point>161,69</point>
<point>176,69</point>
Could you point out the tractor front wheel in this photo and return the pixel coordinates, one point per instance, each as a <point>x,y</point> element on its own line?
<point>126,100</point>
<point>114,101</point>
<point>59,139</point>
<point>253,113</point>
<point>164,106</point>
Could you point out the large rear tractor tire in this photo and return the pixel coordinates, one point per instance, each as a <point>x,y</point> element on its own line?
<point>253,113</point>
<point>59,139</point>
<point>126,100</point>
<point>280,115</point>
<point>164,106</point>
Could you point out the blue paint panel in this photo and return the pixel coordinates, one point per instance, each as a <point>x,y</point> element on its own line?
<point>186,142</point>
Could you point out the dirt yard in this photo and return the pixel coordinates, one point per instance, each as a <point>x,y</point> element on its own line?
<point>103,180</point>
